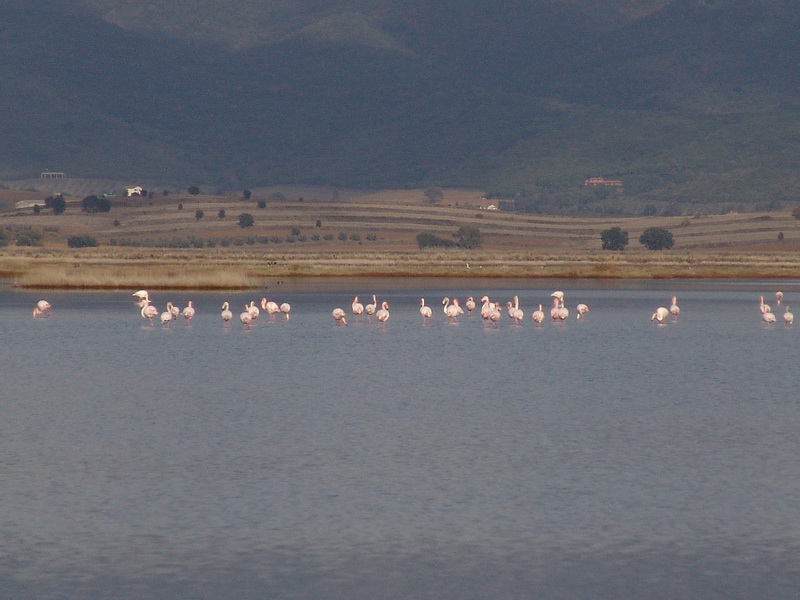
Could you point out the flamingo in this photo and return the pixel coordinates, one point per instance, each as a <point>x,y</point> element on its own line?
<point>149,312</point>
<point>674,309</point>
<point>451,310</point>
<point>788,317</point>
<point>581,310</point>
<point>660,314</point>
<point>226,313</point>
<point>515,312</point>
<point>486,307</point>
<point>779,297</point>
<point>285,309</point>
<point>253,310</point>
<point>188,312</point>
<point>768,317</point>
<point>470,305</point>
<point>538,315</point>
<point>357,307</point>
<point>563,311</point>
<point>382,313</point>
<point>270,307</point>
<point>246,316</point>
<point>764,308</point>
<point>371,308</point>
<point>425,311</point>
<point>166,316</point>
<point>143,298</point>
<point>494,314</point>
<point>554,309</point>
<point>41,307</point>
<point>338,316</point>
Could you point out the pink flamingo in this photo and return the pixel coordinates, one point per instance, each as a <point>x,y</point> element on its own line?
<point>188,312</point>
<point>538,315</point>
<point>42,306</point>
<point>166,316</point>
<point>451,310</point>
<point>660,314</point>
<point>246,316</point>
<point>383,312</point>
<point>470,305</point>
<point>788,317</point>
<point>338,316</point>
<point>515,312</point>
<point>768,317</point>
<point>357,307</point>
<point>149,312</point>
<point>371,308</point>
<point>779,297</point>
<point>425,311</point>
<point>285,309</point>
<point>764,308</point>
<point>253,310</point>
<point>581,310</point>
<point>270,307</point>
<point>674,309</point>
<point>226,313</point>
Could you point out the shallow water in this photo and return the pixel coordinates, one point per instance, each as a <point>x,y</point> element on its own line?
<point>607,457</point>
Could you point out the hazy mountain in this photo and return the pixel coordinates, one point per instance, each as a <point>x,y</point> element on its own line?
<point>689,101</point>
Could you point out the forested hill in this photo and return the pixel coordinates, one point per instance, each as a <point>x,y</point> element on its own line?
<point>693,104</point>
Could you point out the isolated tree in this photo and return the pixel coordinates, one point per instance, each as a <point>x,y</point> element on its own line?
<point>93,204</point>
<point>614,239</point>
<point>261,203</point>
<point>246,194</point>
<point>468,236</point>
<point>656,238</point>
<point>246,220</point>
<point>199,214</point>
<point>434,194</point>
<point>58,204</point>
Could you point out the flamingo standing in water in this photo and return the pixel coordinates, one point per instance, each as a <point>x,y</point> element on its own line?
<point>779,297</point>
<point>788,317</point>
<point>674,309</point>
<point>253,310</point>
<point>768,317</point>
<point>538,315</point>
<point>563,311</point>
<point>357,307</point>
<point>143,298</point>
<point>188,312</point>
<point>226,313</point>
<point>660,314</point>
<point>425,311</point>
<point>371,308</point>
<point>764,308</point>
<point>338,316</point>
<point>470,305</point>
<point>42,306</point>
<point>451,310</point>
<point>246,316</point>
<point>149,312</point>
<point>166,316</point>
<point>581,310</point>
<point>286,309</point>
<point>515,312</point>
<point>382,313</point>
<point>270,307</point>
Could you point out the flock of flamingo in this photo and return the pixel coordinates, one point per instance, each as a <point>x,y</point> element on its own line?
<point>489,311</point>
<point>172,312</point>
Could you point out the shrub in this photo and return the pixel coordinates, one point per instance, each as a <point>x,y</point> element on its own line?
<point>327,237</point>
<point>261,204</point>
<point>428,240</point>
<point>81,241</point>
<point>246,220</point>
<point>221,213</point>
<point>342,236</point>
<point>355,237</point>
<point>29,237</point>
<point>198,214</point>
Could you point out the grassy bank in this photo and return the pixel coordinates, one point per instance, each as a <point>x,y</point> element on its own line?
<point>198,269</point>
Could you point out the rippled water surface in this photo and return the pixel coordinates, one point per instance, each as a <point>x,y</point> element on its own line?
<point>601,458</point>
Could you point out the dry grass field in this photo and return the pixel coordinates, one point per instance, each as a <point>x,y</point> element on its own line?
<point>153,242</point>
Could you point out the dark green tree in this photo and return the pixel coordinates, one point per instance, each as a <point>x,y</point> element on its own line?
<point>199,214</point>
<point>81,241</point>
<point>656,238</point>
<point>614,239</point>
<point>246,220</point>
<point>468,236</point>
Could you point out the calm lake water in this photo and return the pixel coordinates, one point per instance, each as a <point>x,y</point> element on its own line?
<point>601,458</point>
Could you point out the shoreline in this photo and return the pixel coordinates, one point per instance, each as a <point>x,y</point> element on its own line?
<point>100,269</point>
